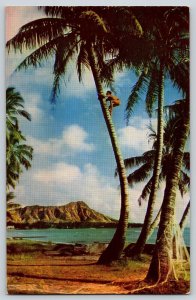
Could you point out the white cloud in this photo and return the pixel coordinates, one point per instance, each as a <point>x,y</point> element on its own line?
<point>75,137</point>
<point>63,182</point>
<point>67,182</point>
<point>36,113</point>
<point>61,173</point>
<point>135,136</point>
<point>73,140</point>
<point>32,102</point>
<point>49,147</point>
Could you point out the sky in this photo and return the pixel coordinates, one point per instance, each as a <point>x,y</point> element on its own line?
<point>73,158</point>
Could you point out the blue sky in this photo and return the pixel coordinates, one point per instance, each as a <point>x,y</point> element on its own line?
<point>73,158</point>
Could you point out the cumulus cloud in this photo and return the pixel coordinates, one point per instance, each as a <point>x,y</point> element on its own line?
<point>63,182</point>
<point>135,136</point>
<point>73,139</point>
<point>61,173</point>
<point>32,102</point>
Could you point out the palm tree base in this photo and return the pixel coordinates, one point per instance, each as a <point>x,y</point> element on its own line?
<point>113,252</point>
<point>132,251</point>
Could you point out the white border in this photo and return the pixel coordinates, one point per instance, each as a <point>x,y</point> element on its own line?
<point>3,4</point>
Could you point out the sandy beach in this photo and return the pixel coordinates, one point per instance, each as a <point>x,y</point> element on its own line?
<point>45,268</point>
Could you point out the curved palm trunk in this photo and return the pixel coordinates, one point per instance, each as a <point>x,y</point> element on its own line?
<point>184,217</point>
<point>161,264</point>
<point>140,244</point>
<point>155,222</point>
<point>128,250</point>
<point>116,246</point>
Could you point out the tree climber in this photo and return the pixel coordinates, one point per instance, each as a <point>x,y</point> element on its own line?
<point>114,100</point>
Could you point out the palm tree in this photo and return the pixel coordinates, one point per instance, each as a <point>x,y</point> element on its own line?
<point>144,171</point>
<point>163,52</point>
<point>161,267</point>
<point>18,154</point>
<point>169,51</point>
<point>14,109</point>
<point>65,34</point>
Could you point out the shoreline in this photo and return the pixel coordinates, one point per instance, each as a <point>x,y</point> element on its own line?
<point>67,225</point>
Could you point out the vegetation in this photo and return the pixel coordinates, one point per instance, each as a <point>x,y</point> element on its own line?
<point>65,34</point>
<point>161,267</point>
<point>18,154</point>
<point>169,51</point>
<point>144,165</point>
<point>154,42</point>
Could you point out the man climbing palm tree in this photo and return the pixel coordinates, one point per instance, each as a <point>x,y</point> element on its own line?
<point>114,101</point>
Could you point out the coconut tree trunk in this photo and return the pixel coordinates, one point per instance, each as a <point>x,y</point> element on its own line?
<point>129,248</point>
<point>155,222</point>
<point>116,246</point>
<point>140,244</point>
<point>184,217</point>
<point>161,267</point>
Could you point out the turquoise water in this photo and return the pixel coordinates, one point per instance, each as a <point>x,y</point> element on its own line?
<point>81,235</point>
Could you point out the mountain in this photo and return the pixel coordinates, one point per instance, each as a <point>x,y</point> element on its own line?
<point>73,212</point>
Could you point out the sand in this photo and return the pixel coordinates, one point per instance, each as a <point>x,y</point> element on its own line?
<point>39,269</point>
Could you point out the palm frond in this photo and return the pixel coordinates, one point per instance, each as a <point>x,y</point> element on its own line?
<point>179,75</point>
<point>65,51</point>
<point>141,174</point>
<point>37,56</point>
<point>176,112</point>
<point>37,33</point>
<point>10,196</point>
<point>136,161</point>
<point>186,161</point>
<point>183,183</point>
<point>152,93</point>
<point>82,61</point>
<point>92,19</point>
<point>14,107</point>
<point>146,191</point>
<point>135,95</point>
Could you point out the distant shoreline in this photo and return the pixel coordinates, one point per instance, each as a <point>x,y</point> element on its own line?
<point>67,225</point>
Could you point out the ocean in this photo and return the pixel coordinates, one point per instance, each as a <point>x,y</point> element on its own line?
<point>82,235</point>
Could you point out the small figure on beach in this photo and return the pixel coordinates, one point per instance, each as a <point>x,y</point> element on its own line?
<point>114,100</point>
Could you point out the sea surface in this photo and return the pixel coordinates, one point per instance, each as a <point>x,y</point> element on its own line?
<point>81,235</point>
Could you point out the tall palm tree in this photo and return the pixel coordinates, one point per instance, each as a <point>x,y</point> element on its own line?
<point>144,169</point>
<point>169,51</point>
<point>161,267</point>
<point>163,52</point>
<point>66,35</point>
